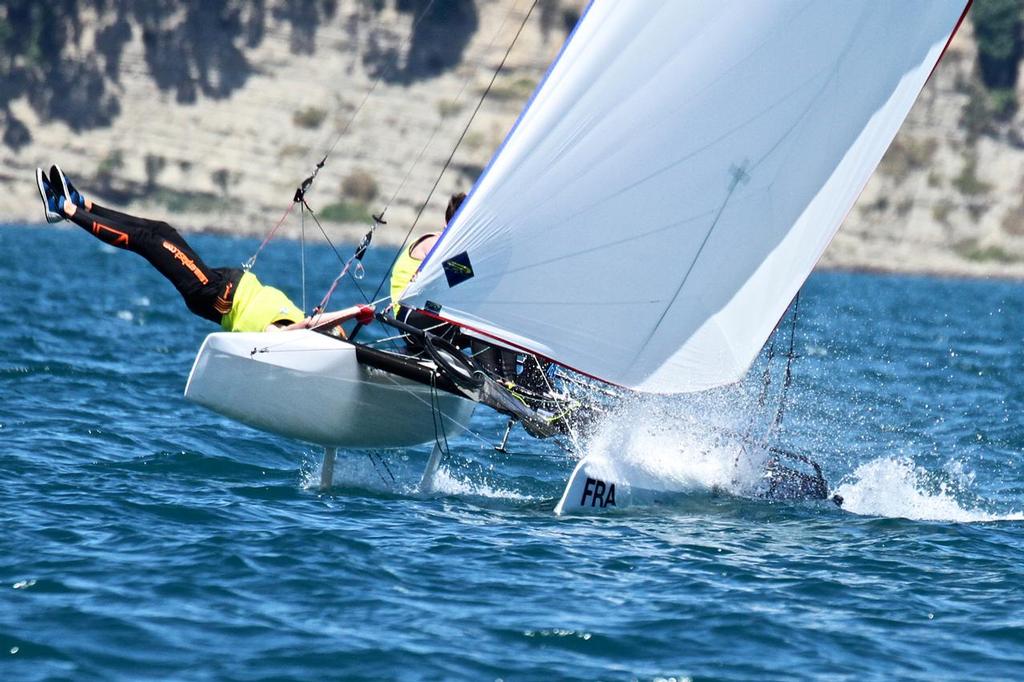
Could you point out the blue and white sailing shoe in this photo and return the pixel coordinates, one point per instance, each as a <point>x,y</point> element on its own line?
<point>52,202</point>
<point>61,183</point>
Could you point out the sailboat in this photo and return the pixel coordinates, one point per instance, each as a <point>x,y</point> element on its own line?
<point>644,226</point>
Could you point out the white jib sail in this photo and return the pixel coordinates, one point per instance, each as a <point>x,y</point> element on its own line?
<point>677,176</point>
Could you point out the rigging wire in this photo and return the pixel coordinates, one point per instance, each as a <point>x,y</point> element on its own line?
<point>790,356</point>
<point>766,376</point>
<point>373,461</point>
<point>380,77</point>
<point>379,218</point>
<point>458,143</point>
<point>438,416</point>
<point>345,263</point>
<point>251,262</point>
<point>302,256</point>
<point>308,182</point>
<point>766,380</point>
<point>440,124</point>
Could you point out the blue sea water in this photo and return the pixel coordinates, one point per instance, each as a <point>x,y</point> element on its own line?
<point>143,537</point>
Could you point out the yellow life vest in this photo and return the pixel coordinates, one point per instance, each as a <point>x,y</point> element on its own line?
<point>255,307</point>
<point>405,267</point>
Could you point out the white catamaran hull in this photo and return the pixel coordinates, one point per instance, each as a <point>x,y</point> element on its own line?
<point>594,487</point>
<point>309,386</point>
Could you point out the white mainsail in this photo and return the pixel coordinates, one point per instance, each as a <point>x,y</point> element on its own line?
<point>677,176</point>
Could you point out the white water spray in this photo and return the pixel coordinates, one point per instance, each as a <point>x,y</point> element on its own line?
<point>895,487</point>
<point>690,445</point>
<point>447,483</point>
<point>356,470</point>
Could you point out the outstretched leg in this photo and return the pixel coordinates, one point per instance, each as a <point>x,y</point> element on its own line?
<point>207,291</point>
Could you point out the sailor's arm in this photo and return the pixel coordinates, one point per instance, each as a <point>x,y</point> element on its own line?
<point>364,313</point>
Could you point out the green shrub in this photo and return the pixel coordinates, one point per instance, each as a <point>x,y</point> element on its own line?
<point>1013,220</point>
<point>187,202</point>
<point>570,17</point>
<point>976,117</point>
<point>469,172</point>
<point>310,117</point>
<point>474,140</point>
<point>941,211</point>
<point>292,151</point>
<point>359,186</point>
<point>1003,104</point>
<point>517,90</point>
<point>968,183</point>
<point>154,166</point>
<point>109,166</point>
<point>222,179</point>
<point>970,250</point>
<point>879,205</point>
<point>553,15</point>
<point>345,212</point>
<point>6,32</point>
<point>446,108</point>
<point>997,30</point>
<point>907,154</point>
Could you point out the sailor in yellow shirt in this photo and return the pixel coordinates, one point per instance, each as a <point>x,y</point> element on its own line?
<point>405,267</point>
<point>256,307</point>
<point>231,297</point>
<point>408,263</point>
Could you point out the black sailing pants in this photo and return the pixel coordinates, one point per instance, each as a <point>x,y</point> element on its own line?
<point>207,291</point>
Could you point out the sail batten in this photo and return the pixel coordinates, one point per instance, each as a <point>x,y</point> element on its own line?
<point>677,176</point>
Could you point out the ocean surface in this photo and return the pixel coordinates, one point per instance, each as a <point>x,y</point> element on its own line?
<point>143,537</point>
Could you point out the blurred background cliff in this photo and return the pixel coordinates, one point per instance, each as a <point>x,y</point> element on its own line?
<point>209,113</point>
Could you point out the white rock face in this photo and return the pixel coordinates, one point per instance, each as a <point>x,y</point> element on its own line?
<point>940,202</point>
<point>233,164</point>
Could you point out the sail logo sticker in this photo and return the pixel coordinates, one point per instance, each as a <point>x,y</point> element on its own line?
<point>458,269</point>
<point>601,494</point>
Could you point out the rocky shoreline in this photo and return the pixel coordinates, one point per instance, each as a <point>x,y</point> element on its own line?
<point>946,200</point>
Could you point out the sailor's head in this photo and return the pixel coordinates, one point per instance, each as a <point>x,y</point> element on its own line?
<point>453,206</point>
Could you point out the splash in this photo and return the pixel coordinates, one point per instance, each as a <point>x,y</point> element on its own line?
<point>895,487</point>
<point>677,448</point>
<point>359,471</point>
<point>446,483</point>
<point>354,471</point>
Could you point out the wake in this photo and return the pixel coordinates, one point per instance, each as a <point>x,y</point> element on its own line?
<point>399,475</point>
<point>895,487</point>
